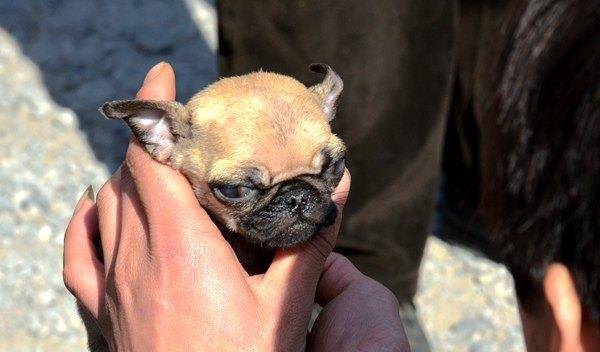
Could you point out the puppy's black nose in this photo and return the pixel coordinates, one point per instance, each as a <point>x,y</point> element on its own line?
<point>295,200</point>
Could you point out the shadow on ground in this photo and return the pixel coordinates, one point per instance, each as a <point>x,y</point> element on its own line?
<point>93,51</point>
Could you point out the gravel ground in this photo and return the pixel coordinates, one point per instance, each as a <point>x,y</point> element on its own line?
<point>89,52</point>
<point>44,165</point>
<point>466,302</point>
<point>58,61</point>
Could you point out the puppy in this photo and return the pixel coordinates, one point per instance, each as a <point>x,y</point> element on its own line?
<point>259,153</point>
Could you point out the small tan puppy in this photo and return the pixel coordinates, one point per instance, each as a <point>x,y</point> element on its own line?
<point>257,149</point>
<point>260,156</point>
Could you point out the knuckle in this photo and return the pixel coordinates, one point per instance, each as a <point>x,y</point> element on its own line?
<point>379,292</point>
<point>189,253</point>
<point>106,196</point>
<point>337,261</point>
<point>67,276</point>
<point>169,254</point>
<point>190,242</point>
<point>70,278</point>
<point>135,165</point>
<point>319,247</point>
<point>164,230</point>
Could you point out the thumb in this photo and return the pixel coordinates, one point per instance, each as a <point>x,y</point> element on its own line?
<point>159,83</point>
<point>338,275</point>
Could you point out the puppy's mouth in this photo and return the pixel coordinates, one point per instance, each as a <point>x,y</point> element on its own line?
<point>298,232</point>
<point>292,218</point>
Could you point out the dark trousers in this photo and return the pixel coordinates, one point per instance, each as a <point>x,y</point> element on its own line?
<point>398,62</point>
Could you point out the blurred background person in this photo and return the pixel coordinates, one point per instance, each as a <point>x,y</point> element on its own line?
<point>418,78</point>
<point>406,114</point>
<point>540,149</point>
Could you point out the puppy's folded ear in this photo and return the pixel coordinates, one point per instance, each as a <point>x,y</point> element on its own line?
<point>328,91</point>
<point>156,124</point>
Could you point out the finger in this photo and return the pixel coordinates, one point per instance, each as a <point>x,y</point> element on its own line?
<point>342,191</point>
<point>148,175</point>
<point>301,267</point>
<point>133,218</point>
<point>164,193</point>
<point>109,218</point>
<point>338,274</point>
<point>83,273</point>
<point>159,83</point>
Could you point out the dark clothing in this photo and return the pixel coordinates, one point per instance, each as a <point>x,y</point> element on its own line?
<point>398,63</point>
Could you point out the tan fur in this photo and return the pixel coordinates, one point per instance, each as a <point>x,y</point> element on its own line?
<point>272,108</point>
<point>262,123</point>
<point>262,120</point>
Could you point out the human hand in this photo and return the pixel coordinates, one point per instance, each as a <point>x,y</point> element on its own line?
<point>168,281</point>
<point>359,313</point>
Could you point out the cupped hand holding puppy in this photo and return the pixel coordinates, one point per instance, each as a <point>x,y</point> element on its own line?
<point>168,281</point>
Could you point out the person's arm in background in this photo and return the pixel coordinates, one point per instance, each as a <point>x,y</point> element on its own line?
<point>170,282</point>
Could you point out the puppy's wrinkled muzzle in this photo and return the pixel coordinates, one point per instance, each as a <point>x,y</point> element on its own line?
<point>291,218</point>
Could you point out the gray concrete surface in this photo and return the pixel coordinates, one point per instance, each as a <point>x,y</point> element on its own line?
<point>59,60</point>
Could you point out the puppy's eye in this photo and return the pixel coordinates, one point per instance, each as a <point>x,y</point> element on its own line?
<point>337,168</point>
<point>233,193</point>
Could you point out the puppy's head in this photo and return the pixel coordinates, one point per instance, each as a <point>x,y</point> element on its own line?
<point>257,149</point>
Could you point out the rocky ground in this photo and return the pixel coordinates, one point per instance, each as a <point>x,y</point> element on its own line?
<point>466,302</point>
<point>44,164</point>
<point>58,61</point>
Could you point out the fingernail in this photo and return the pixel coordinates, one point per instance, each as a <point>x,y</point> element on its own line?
<point>87,194</point>
<point>154,72</point>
